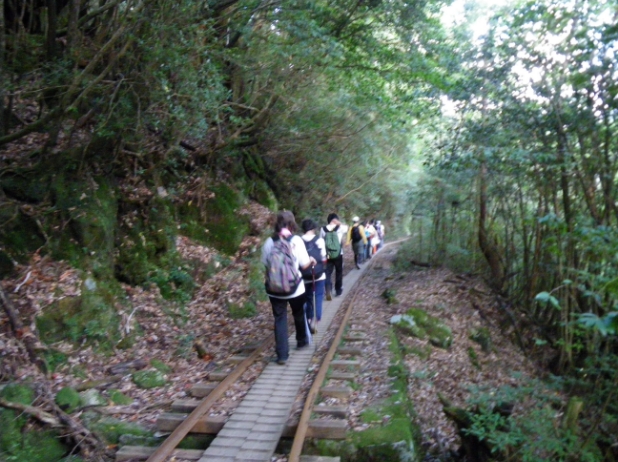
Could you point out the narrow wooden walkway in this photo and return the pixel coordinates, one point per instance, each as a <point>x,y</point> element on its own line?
<point>253,431</point>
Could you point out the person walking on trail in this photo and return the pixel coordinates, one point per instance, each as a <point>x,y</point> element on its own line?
<point>381,233</point>
<point>314,277</point>
<point>284,255</point>
<point>370,232</point>
<point>333,234</point>
<point>356,237</point>
<point>375,239</point>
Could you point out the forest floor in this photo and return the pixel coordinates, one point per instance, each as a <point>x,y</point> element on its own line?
<point>463,302</point>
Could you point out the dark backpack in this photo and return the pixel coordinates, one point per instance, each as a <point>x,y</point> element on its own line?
<point>356,235</point>
<point>314,251</point>
<point>282,277</point>
<point>333,245</point>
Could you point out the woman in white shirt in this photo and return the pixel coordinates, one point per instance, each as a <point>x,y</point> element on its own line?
<point>284,228</point>
<point>314,277</point>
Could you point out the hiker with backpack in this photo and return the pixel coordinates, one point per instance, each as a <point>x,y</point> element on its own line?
<point>381,233</point>
<point>356,237</point>
<point>370,232</point>
<point>314,276</point>
<point>333,234</point>
<point>284,255</point>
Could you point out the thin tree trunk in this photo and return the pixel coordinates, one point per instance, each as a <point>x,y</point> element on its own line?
<point>73,29</point>
<point>3,115</point>
<point>485,242</point>
<point>52,25</point>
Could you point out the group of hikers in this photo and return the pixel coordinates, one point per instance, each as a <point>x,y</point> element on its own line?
<point>299,270</point>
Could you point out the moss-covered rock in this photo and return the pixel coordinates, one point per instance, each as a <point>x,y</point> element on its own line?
<point>91,317</point>
<point>68,399</point>
<point>424,326</point>
<point>148,379</point>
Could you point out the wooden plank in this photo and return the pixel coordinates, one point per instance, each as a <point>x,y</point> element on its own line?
<point>350,350</point>
<point>319,459</point>
<point>339,412</point>
<point>345,364</point>
<point>336,392</point>
<point>185,405</point>
<point>200,390</point>
<point>218,376</point>
<point>338,375</point>
<point>327,429</point>
<point>236,359</point>
<point>142,453</point>
<point>206,424</point>
<point>320,429</point>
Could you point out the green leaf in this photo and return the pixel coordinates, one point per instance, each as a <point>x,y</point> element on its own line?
<point>546,297</point>
<point>612,287</point>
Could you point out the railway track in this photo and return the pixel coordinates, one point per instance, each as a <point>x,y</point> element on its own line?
<point>269,410</point>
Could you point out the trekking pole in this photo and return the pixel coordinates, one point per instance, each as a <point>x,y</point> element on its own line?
<point>314,323</point>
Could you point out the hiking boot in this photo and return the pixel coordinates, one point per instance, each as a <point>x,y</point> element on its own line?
<point>329,297</point>
<point>358,266</point>
<point>300,346</point>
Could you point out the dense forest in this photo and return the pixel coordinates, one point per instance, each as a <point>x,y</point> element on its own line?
<point>485,135</point>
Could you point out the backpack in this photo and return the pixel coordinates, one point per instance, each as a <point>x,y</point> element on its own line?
<point>282,277</point>
<point>314,251</point>
<point>356,235</point>
<point>333,245</point>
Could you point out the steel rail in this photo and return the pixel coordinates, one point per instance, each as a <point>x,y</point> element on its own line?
<point>163,451</point>
<point>303,423</point>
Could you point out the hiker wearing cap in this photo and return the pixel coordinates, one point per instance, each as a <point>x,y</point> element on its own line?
<point>356,237</point>
<point>314,277</point>
<point>333,234</point>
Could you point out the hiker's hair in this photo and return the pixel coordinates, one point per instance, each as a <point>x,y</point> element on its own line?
<point>285,219</point>
<point>308,224</point>
<point>331,217</point>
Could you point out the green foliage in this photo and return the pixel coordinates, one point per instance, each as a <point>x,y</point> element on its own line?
<point>19,443</point>
<point>482,336</point>
<point>390,295</point>
<point>246,310</point>
<point>424,326</point>
<point>534,432</point>
<point>68,399</point>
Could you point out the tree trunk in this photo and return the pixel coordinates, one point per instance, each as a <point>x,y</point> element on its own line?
<point>3,115</point>
<point>52,25</point>
<point>485,242</point>
<point>73,29</point>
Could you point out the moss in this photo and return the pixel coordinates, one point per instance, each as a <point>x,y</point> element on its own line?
<point>90,317</point>
<point>119,398</point>
<point>110,430</point>
<point>482,336</point>
<point>423,352</point>
<point>19,442</point>
<point>246,310</point>
<point>420,324</point>
<point>20,235</point>
<point>68,399</point>
<point>390,295</point>
<point>217,222</point>
<point>148,379</point>
<point>474,358</point>
<point>54,358</point>
<point>160,366</point>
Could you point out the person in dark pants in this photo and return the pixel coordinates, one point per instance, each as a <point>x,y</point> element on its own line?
<point>284,228</point>
<point>335,260</point>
